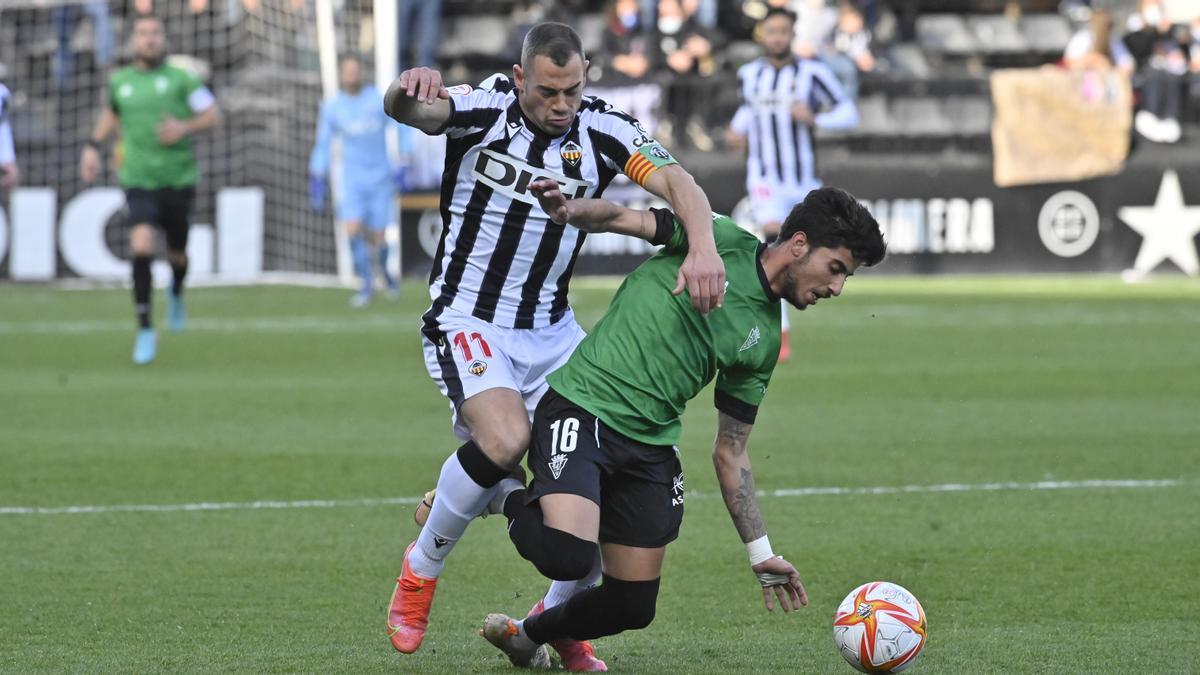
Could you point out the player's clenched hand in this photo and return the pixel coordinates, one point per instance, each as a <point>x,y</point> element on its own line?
<point>780,579</point>
<point>424,83</point>
<point>89,164</point>
<point>703,274</point>
<point>10,175</point>
<point>551,199</point>
<point>803,114</point>
<point>171,131</point>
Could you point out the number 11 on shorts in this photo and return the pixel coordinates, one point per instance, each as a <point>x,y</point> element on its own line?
<point>463,345</point>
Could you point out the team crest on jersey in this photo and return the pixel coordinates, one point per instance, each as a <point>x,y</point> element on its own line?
<point>161,84</point>
<point>477,368</point>
<point>557,462</point>
<point>572,153</point>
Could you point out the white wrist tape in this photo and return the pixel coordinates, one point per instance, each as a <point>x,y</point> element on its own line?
<point>759,550</point>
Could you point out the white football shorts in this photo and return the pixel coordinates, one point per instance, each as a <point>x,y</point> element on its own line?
<point>465,355</point>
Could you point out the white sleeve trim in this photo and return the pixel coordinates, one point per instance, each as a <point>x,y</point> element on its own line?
<point>200,100</point>
<point>7,154</point>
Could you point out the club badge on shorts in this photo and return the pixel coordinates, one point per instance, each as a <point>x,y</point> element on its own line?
<point>571,153</point>
<point>557,463</point>
<point>477,367</point>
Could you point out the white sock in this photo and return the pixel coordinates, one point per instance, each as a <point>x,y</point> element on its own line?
<point>784,324</point>
<point>459,500</point>
<point>561,591</point>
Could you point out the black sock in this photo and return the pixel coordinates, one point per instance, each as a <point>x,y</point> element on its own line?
<point>141,289</point>
<point>478,466</point>
<point>177,282</point>
<point>607,609</point>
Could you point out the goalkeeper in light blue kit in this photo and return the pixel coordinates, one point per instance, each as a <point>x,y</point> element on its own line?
<point>367,176</point>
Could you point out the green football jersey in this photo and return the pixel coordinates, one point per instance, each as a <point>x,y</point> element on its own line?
<point>652,352</point>
<point>142,99</point>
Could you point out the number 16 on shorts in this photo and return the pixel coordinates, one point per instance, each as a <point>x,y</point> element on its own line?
<point>563,439</point>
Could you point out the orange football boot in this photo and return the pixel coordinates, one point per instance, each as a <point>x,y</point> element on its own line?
<point>408,612</point>
<point>577,656</point>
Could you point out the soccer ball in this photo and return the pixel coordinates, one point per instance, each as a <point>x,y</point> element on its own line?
<point>879,628</point>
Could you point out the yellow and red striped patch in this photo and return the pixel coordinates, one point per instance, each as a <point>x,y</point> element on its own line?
<point>638,168</point>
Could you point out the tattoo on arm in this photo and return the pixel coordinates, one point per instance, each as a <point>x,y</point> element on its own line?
<point>733,431</point>
<point>743,507</point>
<point>737,480</point>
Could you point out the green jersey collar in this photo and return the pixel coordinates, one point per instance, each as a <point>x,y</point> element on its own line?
<point>762,275</point>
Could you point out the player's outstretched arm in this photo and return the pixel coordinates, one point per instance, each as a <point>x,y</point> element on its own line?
<point>778,578</point>
<point>592,215</point>
<point>702,271</point>
<point>419,99</point>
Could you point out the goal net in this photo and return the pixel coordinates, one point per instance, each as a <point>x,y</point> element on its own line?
<point>269,64</point>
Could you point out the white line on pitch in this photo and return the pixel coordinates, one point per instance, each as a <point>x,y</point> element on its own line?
<point>970,487</point>
<point>282,324</point>
<point>207,506</point>
<point>393,501</point>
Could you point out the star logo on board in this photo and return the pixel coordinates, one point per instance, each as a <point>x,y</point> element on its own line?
<point>1168,229</point>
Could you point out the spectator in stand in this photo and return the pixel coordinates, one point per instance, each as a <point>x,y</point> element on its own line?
<point>1096,47</point>
<point>847,50</point>
<point>103,42</point>
<point>419,23</point>
<point>1161,68</point>
<point>1194,60</point>
<point>686,48</point>
<point>706,12</point>
<point>627,43</point>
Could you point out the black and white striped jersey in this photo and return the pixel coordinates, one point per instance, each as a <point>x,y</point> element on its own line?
<point>500,258</point>
<point>781,149</point>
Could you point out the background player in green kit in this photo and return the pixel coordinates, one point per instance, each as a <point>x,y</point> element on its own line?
<point>157,108</point>
<point>606,472</point>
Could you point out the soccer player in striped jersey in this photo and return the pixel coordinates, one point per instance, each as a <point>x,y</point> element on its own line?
<point>366,172</point>
<point>9,174</point>
<point>604,456</point>
<point>499,321</point>
<point>783,98</point>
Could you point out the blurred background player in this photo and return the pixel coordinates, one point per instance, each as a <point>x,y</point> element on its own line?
<point>783,97</point>
<point>157,107</point>
<point>500,320</point>
<point>9,173</point>
<point>367,188</point>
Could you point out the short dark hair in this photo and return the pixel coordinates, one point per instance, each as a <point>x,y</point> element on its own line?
<point>558,41</point>
<point>779,11</point>
<point>832,218</point>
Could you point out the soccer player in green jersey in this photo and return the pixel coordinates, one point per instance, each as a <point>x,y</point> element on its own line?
<point>157,108</point>
<point>606,469</point>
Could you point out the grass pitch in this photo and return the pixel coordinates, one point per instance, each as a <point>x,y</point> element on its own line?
<point>286,394</point>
